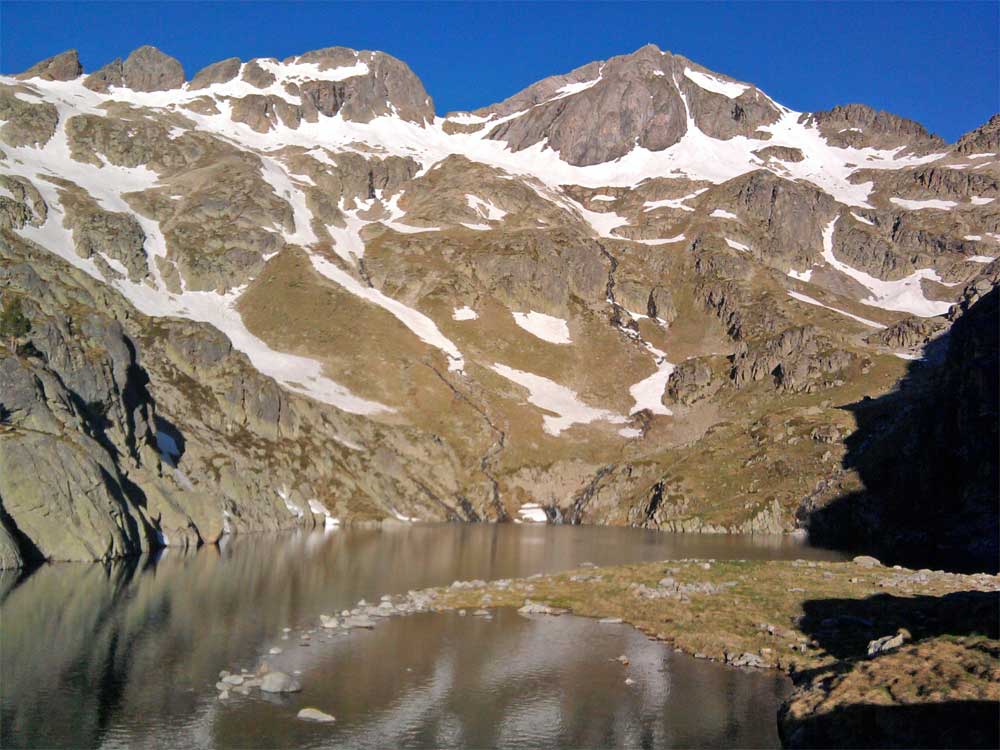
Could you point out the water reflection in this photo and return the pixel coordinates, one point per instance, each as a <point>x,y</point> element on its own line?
<point>126,654</point>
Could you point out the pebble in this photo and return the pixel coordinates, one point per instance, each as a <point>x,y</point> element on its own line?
<point>274,651</point>
<point>629,681</point>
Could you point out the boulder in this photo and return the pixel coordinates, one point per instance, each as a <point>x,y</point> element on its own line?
<point>279,682</point>
<point>148,69</point>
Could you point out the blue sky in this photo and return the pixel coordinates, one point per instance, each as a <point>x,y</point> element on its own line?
<point>937,63</point>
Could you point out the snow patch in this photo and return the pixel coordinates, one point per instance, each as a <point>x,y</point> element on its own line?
<point>708,82</point>
<point>721,213</point>
<point>546,327</point>
<point>557,399</point>
<point>905,295</point>
<point>917,205</point>
<point>464,313</point>
<point>532,512</point>
<point>737,245</point>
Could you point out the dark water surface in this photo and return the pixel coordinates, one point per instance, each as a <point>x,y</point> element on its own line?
<point>127,654</point>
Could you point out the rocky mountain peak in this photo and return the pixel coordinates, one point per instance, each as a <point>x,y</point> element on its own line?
<point>62,67</point>
<point>145,69</point>
<point>602,110</point>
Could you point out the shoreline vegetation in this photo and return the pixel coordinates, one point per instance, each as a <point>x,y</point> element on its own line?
<point>879,656</point>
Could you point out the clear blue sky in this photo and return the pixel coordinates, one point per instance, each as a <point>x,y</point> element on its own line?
<point>937,63</point>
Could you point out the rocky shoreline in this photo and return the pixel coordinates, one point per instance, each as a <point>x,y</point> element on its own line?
<point>883,625</point>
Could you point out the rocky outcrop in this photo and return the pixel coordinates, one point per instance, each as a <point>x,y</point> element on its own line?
<point>62,67</point>
<point>26,123</point>
<point>860,126</point>
<point>984,139</point>
<point>106,235</point>
<point>146,69</point>
<point>220,72</point>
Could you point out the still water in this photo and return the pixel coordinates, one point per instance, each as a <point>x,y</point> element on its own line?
<point>127,654</point>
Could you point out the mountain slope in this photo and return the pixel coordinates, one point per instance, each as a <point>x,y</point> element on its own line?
<point>634,293</point>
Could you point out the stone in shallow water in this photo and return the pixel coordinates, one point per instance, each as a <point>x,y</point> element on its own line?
<point>275,651</point>
<point>233,679</point>
<point>359,621</point>
<point>314,714</point>
<point>535,608</point>
<point>279,682</point>
<point>610,621</point>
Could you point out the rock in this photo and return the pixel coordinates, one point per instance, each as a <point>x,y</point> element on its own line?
<point>224,695</point>
<point>329,621</point>
<point>888,642</point>
<point>359,621</point>
<point>866,561</point>
<point>233,679</point>
<point>62,67</point>
<point>536,608</point>
<point>279,682</point>
<point>745,659</point>
<point>220,72</point>
<point>629,681</point>
<point>314,714</point>
<point>274,651</point>
<point>148,69</point>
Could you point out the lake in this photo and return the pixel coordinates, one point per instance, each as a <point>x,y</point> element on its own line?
<point>127,654</point>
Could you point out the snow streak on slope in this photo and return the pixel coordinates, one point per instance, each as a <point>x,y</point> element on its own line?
<point>810,301</point>
<point>558,399</point>
<point>424,328</point>
<point>905,295</point>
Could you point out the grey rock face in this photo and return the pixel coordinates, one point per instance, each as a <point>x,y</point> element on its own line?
<point>262,113</point>
<point>23,206</point>
<point>62,67</point>
<point>27,123</point>
<point>116,235</point>
<point>148,69</point>
<point>220,72</point>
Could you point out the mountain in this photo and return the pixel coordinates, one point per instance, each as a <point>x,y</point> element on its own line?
<point>286,293</point>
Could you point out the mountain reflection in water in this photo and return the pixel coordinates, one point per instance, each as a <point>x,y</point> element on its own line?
<point>126,654</point>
